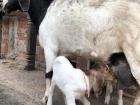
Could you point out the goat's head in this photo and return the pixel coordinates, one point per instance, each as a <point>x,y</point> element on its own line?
<point>103,69</point>
<point>14,5</point>
<point>99,73</point>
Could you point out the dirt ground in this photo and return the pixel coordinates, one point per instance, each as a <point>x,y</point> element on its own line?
<point>20,87</point>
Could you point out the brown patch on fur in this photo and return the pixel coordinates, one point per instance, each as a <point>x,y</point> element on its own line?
<point>97,75</point>
<point>103,68</point>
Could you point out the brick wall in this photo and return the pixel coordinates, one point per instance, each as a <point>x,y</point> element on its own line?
<point>14,39</point>
<point>5,28</point>
<point>21,38</point>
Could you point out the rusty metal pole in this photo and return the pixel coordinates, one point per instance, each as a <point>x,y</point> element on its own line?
<point>31,44</point>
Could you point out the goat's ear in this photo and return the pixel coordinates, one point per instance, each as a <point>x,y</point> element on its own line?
<point>24,4</point>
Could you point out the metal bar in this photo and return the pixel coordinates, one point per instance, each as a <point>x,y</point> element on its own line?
<point>31,44</point>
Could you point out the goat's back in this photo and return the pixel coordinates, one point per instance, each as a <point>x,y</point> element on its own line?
<point>66,77</point>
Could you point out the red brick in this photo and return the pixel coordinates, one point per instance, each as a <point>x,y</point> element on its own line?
<point>21,40</point>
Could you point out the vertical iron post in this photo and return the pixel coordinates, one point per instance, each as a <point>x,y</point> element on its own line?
<point>31,44</point>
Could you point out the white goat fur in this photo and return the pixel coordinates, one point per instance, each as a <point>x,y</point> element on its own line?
<point>73,83</point>
<point>92,28</point>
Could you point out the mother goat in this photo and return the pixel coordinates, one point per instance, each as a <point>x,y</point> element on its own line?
<point>91,28</point>
<point>103,27</point>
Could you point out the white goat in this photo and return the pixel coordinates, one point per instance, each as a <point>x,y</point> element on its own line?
<point>74,83</point>
<point>91,28</point>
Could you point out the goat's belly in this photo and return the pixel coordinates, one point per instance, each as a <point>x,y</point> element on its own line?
<point>76,50</point>
<point>80,48</point>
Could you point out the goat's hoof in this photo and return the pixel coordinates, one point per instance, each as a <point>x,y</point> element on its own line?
<point>106,102</point>
<point>44,100</point>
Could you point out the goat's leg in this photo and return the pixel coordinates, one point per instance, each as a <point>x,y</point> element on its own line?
<point>45,98</point>
<point>120,97</point>
<point>50,55</point>
<point>70,99</point>
<point>137,99</point>
<point>109,90</point>
<point>84,100</point>
<point>51,91</point>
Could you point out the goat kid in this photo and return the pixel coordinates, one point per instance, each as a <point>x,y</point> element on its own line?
<point>103,75</point>
<point>74,83</point>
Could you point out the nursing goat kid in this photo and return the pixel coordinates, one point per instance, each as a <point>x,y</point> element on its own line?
<point>74,83</point>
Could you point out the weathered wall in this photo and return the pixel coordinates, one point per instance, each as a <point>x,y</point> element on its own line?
<point>14,39</point>
<point>5,28</point>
